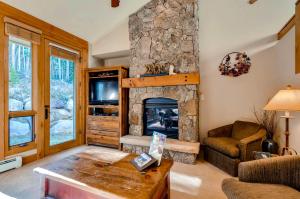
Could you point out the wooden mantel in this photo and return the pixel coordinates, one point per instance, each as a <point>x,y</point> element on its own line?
<point>157,81</point>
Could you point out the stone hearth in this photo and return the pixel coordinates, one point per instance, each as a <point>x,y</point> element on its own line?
<point>166,31</point>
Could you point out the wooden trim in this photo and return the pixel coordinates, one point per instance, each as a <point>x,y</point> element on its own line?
<point>49,31</point>
<point>21,114</point>
<point>40,116</point>
<point>6,95</point>
<point>170,80</point>
<point>60,147</point>
<point>22,25</point>
<point>20,149</point>
<point>84,93</point>
<point>29,159</point>
<point>287,27</point>
<point>2,95</point>
<point>106,68</point>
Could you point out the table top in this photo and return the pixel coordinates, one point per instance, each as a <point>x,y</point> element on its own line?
<point>90,171</point>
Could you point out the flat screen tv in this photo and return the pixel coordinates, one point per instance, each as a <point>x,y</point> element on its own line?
<point>104,92</point>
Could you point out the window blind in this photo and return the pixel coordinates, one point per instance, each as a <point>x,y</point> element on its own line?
<point>22,31</point>
<point>64,54</point>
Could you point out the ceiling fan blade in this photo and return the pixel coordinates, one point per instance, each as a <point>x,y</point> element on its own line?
<point>115,3</point>
<point>252,1</point>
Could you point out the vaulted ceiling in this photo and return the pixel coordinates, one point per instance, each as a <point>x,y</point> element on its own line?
<point>88,19</point>
<point>95,19</point>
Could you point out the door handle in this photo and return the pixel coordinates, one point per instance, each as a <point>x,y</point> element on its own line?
<point>47,112</point>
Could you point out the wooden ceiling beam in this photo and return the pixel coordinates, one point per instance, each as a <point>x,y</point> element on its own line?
<point>287,27</point>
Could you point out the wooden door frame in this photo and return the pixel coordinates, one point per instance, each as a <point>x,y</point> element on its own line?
<point>2,96</point>
<point>52,33</point>
<point>77,102</point>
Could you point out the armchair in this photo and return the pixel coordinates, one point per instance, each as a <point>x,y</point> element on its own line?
<point>275,178</point>
<point>229,145</point>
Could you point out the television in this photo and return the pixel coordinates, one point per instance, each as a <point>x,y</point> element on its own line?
<point>104,91</point>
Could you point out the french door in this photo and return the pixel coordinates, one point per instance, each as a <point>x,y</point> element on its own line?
<point>61,97</point>
<point>41,96</point>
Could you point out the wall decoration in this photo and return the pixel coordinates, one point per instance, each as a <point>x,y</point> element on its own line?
<point>240,65</point>
<point>157,69</point>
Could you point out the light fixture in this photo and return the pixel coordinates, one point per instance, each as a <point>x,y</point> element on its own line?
<point>287,100</point>
<point>115,3</point>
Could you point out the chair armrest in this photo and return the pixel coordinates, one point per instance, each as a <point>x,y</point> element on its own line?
<point>250,144</point>
<point>224,131</point>
<point>278,170</point>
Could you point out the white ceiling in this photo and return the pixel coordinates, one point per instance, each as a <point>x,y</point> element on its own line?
<point>88,19</point>
<point>231,25</point>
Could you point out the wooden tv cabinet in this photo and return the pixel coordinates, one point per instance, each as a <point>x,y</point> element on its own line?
<point>105,124</point>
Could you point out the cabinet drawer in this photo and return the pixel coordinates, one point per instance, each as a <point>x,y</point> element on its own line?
<point>104,133</point>
<point>99,139</point>
<point>103,123</point>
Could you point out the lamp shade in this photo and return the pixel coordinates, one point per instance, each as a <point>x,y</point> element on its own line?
<point>285,100</point>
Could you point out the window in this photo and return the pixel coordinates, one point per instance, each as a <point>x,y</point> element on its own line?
<point>62,92</point>
<point>20,75</point>
<point>21,117</point>
<point>20,130</point>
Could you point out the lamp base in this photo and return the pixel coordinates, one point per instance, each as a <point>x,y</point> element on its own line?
<point>288,151</point>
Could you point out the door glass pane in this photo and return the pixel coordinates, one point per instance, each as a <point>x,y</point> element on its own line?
<point>20,130</point>
<point>62,92</point>
<point>20,75</point>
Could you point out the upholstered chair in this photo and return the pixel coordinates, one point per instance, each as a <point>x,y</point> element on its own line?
<point>276,178</point>
<point>227,146</point>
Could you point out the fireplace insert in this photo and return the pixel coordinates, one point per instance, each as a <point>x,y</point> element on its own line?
<point>161,115</point>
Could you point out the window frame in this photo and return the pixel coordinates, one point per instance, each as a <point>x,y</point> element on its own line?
<point>12,150</point>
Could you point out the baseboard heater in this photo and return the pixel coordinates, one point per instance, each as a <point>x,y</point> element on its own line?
<point>12,163</point>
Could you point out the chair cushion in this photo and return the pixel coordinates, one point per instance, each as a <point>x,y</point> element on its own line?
<point>226,145</point>
<point>241,129</point>
<point>235,189</point>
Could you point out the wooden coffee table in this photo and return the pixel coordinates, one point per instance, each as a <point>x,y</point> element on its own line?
<point>89,175</point>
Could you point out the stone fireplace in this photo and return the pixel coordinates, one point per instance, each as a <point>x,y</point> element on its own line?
<point>165,31</point>
<point>185,96</point>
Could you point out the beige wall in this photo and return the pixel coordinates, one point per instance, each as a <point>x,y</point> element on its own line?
<point>93,61</point>
<point>114,44</point>
<point>112,49</point>
<point>227,99</point>
<point>124,61</point>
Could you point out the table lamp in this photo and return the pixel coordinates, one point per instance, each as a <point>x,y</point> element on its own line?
<point>287,100</point>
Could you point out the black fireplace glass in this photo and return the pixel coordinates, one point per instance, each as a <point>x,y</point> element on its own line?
<point>161,115</point>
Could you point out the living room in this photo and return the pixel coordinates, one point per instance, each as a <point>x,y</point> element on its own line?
<point>149,99</point>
